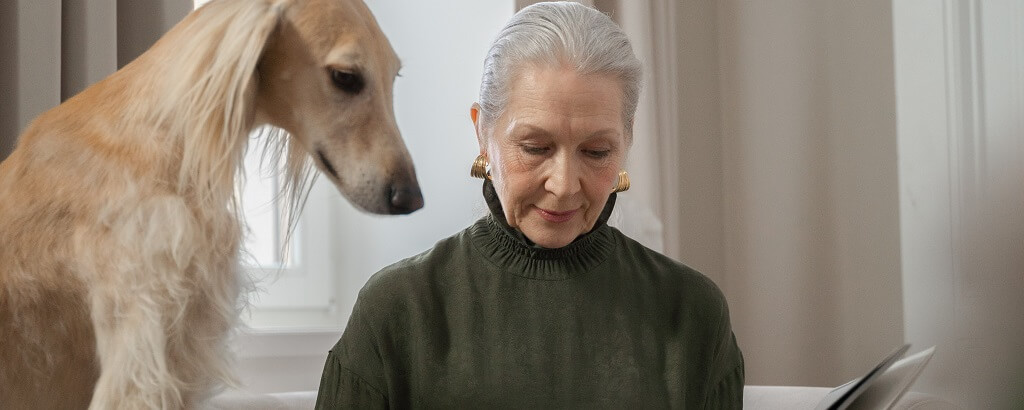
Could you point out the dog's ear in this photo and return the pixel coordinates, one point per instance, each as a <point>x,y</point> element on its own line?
<point>208,96</point>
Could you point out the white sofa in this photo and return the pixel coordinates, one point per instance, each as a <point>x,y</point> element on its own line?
<point>754,397</point>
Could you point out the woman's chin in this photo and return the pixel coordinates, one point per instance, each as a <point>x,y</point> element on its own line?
<point>553,235</point>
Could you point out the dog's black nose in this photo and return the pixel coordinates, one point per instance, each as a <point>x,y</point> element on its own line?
<point>405,199</point>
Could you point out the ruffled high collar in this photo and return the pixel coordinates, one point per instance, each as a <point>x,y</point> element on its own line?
<point>507,247</point>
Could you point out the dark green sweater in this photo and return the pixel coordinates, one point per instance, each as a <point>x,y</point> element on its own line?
<point>487,320</point>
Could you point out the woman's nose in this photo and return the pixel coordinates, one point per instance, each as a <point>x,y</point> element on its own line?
<point>564,179</point>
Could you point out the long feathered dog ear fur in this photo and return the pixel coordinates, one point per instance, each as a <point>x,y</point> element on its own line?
<point>222,44</point>
<point>207,87</point>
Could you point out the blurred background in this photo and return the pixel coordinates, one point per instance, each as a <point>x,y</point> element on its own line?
<point>850,173</point>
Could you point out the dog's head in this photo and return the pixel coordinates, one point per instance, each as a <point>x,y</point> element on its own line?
<point>326,77</point>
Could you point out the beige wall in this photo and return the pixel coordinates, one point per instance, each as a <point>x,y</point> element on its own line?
<point>809,188</point>
<point>700,202</point>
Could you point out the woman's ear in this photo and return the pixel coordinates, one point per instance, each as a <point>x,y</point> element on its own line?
<point>474,114</point>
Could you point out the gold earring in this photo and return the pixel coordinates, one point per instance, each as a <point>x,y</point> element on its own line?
<point>622,184</point>
<point>479,168</point>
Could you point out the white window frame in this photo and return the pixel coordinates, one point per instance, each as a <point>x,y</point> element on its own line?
<point>294,291</point>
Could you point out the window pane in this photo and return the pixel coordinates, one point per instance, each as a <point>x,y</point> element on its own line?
<point>259,203</point>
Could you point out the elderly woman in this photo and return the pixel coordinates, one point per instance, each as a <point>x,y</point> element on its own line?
<point>540,304</point>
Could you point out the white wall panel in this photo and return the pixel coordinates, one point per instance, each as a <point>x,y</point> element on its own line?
<point>960,82</point>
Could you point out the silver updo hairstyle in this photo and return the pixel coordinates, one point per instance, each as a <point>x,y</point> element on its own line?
<point>552,34</point>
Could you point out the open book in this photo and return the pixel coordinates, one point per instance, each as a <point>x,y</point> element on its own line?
<point>882,386</point>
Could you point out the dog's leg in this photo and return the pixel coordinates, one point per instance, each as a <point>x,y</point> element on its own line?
<point>131,342</point>
<point>200,353</point>
<point>143,268</point>
<point>148,362</point>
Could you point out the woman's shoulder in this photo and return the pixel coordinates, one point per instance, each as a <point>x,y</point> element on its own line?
<point>419,272</point>
<point>666,273</point>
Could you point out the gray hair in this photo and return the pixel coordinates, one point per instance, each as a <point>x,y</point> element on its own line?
<point>559,33</point>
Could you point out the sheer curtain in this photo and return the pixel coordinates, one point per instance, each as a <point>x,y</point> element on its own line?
<point>51,50</point>
<point>960,83</point>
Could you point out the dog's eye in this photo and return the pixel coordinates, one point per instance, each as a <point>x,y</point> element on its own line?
<point>351,83</point>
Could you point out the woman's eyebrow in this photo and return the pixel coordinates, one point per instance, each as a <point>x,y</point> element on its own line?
<point>519,128</point>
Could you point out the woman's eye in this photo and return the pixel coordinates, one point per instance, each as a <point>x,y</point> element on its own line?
<point>349,82</point>
<point>596,154</point>
<point>532,150</point>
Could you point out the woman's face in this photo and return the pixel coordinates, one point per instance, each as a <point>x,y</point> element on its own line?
<point>555,151</point>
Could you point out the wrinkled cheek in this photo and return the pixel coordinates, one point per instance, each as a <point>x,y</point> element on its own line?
<point>588,224</point>
<point>594,210</point>
<point>508,203</point>
<point>513,216</point>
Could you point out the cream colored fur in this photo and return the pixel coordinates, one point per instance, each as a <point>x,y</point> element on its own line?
<point>119,229</point>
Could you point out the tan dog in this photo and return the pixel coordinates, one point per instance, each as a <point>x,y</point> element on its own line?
<point>119,229</point>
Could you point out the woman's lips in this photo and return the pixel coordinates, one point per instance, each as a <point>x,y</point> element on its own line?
<point>556,216</point>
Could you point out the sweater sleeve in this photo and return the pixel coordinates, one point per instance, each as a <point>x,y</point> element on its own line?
<point>340,388</point>
<point>727,392</point>
<point>725,389</point>
<point>353,374</point>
